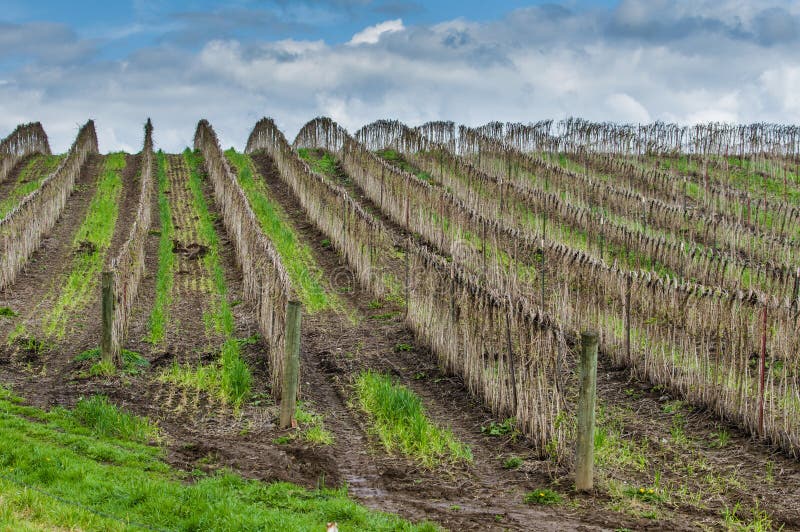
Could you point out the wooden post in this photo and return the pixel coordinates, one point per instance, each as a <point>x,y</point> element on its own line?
<point>106,348</point>
<point>587,372</point>
<point>761,371</point>
<point>542,274</point>
<point>628,283</point>
<point>292,366</point>
<point>512,366</point>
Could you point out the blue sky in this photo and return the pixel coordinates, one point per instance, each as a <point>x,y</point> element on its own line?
<point>360,60</point>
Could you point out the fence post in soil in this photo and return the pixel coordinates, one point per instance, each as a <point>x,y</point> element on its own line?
<point>761,371</point>
<point>292,367</point>
<point>512,366</point>
<point>628,318</point>
<point>587,373</point>
<point>107,308</point>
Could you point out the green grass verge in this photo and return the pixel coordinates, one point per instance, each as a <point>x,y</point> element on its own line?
<point>29,179</point>
<point>230,377</point>
<point>304,272</point>
<point>57,470</point>
<point>91,243</point>
<point>399,421</point>
<point>165,274</point>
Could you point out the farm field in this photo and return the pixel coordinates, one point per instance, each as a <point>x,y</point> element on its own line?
<point>444,274</point>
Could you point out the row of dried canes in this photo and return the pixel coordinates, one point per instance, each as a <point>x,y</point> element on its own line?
<point>22,229</point>
<point>698,341</point>
<point>266,282</point>
<point>25,140</point>
<point>717,196</point>
<point>658,138</point>
<point>733,256</point>
<point>712,195</point>
<point>127,267</point>
<point>509,353</point>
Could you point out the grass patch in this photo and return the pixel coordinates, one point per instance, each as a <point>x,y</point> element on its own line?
<point>306,275</point>
<point>132,362</point>
<point>165,274</point>
<point>543,496</point>
<point>399,421</point>
<point>324,163</point>
<point>82,478</point>
<point>644,494</point>
<point>508,427</point>
<point>91,242</point>
<point>396,158</point>
<point>6,312</point>
<point>106,419</point>
<point>512,462</point>
<point>757,521</point>
<point>311,428</point>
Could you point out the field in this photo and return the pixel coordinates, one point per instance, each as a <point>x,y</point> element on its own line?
<point>445,275</point>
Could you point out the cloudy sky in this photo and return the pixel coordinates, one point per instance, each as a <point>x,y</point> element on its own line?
<point>470,61</point>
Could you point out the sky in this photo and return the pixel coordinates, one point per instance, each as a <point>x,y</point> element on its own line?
<point>356,61</point>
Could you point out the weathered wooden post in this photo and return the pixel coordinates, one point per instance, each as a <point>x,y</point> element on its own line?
<point>107,308</point>
<point>587,373</point>
<point>628,282</point>
<point>761,371</point>
<point>292,365</point>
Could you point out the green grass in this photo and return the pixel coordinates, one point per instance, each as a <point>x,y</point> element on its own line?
<point>132,362</point>
<point>229,377</point>
<point>29,179</point>
<point>306,275</point>
<point>91,243</point>
<point>398,419</point>
<point>7,312</point>
<point>165,274</point>
<point>543,496</point>
<point>324,164</point>
<point>80,471</point>
<point>106,419</point>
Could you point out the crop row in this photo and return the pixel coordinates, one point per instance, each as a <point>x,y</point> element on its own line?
<point>25,140</point>
<point>508,353</point>
<point>671,332</point>
<point>22,228</point>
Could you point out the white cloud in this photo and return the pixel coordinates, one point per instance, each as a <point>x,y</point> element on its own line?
<point>536,63</point>
<point>372,34</point>
<point>627,109</point>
